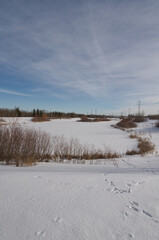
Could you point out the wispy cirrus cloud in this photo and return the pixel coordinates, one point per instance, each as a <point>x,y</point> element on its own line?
<point>14,93</point>
<point>100,49</point>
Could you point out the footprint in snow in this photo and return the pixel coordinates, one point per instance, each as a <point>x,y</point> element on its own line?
<point>134,203</point>
<point>57,220</point>
<point>40,233</point>
<point>134,206</point>
<point>118,236</point>
<point>38,177</point>
<point>146,213</point>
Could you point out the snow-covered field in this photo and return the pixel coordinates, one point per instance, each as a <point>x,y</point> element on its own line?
<point>57,201</point>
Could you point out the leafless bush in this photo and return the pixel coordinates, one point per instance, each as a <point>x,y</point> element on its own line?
<point>157,124</point>
<point>132,152</point>
<point>23,146</point>
<point>139,119</point>
<point>73,149</point>
<point>42,118</point>
<point>144,146</point>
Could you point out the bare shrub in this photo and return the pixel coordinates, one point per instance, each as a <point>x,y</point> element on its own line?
<point>73,149</point>
<point>157,124</point>
<point>23,146</point>
<point>145,146</point>
<point>126,123</point>
<point>42,118</point>
<point>139,119</point>
<point>132,152</point>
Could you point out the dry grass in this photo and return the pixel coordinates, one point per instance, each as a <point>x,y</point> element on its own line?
<point>126,123</point>
<point>144,146</point>
<point>2,122</point>
<point>139,119</point>
<point>85,119</point>
<point>117,127</point>
<point>73,149</point>
<point>42,118</point>
<point>157,124</point>
<point>23,146</point>
<point>132,152</point>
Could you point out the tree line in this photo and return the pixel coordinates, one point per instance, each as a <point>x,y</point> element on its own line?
<point>17,112</point>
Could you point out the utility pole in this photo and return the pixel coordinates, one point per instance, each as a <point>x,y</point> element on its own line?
<point>139,105</point>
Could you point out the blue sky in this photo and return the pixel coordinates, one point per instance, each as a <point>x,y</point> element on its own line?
<point>80,56</point>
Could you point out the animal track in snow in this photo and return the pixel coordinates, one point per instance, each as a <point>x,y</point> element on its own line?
<point>135,207</point>
<point>134,203</point>
<point>118,236</point>
<point>40,234</point>
<point>114,189</point>
<point>147,213</point>
<point>38,177</point>
<point>57,220</point>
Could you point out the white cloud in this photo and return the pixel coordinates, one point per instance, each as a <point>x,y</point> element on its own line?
<point>14,93</point>
<point>94,48</point>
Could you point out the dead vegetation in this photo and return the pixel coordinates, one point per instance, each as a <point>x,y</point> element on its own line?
<point>2,122</point>
<point>86,119</point>
<point>73,149</point>
<point>42,118</point>
<point>157,124</point>
<point>23,146</point>
<point>133,135</point>
<point>117,127</point>
<point>144,146</point>
<point>126,123</point>
<point>139,118</point>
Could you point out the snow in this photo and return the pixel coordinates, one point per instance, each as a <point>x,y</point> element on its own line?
<point>74,201</point>
<point>99,134</point>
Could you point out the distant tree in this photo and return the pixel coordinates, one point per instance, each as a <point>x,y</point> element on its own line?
<point>17,112</point>
<point>41,113</point>
<point>37,112</point>
<point>34,113</point>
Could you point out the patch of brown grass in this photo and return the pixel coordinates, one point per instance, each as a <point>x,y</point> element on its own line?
<point>132,152</point>
<point>139,119</point>
<point>145,146</point>
<point>126,123</point>
<point>115,126</point>
<point>40,119</point>
<point>157,124</point>
<point>85,119</point>
<point>72,149</point>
